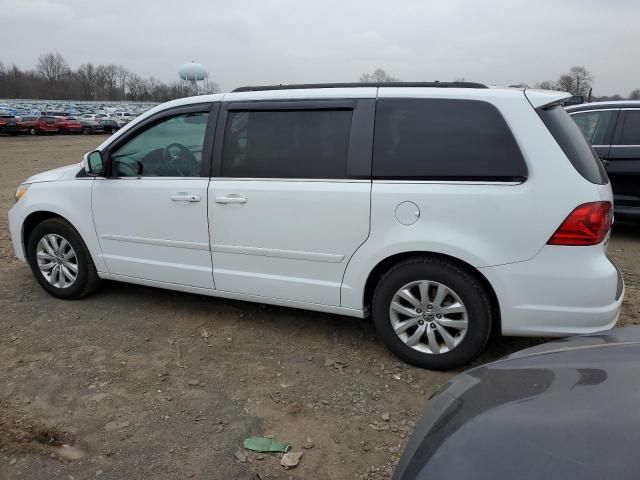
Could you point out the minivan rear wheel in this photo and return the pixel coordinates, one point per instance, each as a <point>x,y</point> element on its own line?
<point>60,260</point>
<point>432,313</point>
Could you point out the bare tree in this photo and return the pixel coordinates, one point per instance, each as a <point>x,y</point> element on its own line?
<point>52,67</point>
<point>635,94</point>
<point>122,75</point>
<point>577,81</point>
<point>547,85</point>
<point>378,76</point>
<point>53,79</point>
<point>107,80</point>
<point>138,87</point>
<point>87,79</point>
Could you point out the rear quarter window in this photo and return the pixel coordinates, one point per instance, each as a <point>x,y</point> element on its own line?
<point>444,139</point>
<point>573,143</point>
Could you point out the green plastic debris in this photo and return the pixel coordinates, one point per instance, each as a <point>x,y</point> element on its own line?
<point>264,444</point>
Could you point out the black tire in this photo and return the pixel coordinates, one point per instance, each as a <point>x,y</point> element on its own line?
<point>87,280</point>
<point>32,131</point>
<point>86,131</point>
<point>468,288</point>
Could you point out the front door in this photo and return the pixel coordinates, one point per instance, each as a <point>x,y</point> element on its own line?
<point>290,199</point>
<point>150,212</point>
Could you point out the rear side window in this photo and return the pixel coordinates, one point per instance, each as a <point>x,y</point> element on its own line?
<point>630,133</point>
<point>594,125</point>
<point>444,139</point>
<point>286,144</point>
<point>570,138</point>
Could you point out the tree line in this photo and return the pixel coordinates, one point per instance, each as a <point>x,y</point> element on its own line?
<point>577,81</point>
<point>53,78</point>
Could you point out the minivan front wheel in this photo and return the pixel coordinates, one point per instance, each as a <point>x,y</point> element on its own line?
<point>60,260</point>
<point>432,313</point>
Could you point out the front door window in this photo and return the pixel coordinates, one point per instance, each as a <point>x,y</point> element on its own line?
<point>170,148</point>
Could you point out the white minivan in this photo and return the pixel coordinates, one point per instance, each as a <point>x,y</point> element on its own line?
<point>446,210</point>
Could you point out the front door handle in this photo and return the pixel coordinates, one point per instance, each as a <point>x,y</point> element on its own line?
<point>231,199</point>
<point>184,197</point>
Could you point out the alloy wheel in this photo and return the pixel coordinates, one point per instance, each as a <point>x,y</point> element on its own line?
<point>57,260</point>
<point>428,317</point>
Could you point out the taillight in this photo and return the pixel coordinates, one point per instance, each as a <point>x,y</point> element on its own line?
<point>588,224</point>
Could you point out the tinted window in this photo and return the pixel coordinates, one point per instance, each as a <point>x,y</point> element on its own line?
<point>630,134</point>
<point>570,138</point>
<point>444,139</point>
<point>171,148</point>
<point>286,144</point>
<point>594,125</point>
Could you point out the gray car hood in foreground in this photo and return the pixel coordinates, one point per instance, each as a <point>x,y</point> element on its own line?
<point>563,410</point>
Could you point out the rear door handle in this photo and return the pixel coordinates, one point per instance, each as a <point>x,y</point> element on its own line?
<point>231,199</point>
<point>184,197</point>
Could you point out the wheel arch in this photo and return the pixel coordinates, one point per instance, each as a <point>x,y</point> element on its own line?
<point>33,219</point>
<point>385,264</point>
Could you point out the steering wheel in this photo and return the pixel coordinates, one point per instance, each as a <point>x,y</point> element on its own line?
<point>183,160</point>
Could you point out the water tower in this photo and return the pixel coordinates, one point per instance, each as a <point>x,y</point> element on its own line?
<point>195,76</point>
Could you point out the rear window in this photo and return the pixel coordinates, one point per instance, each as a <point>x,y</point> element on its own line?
<point>571,139</point>
<point>441,139</point>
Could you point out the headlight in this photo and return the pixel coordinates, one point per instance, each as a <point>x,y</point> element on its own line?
<point>22,189</point>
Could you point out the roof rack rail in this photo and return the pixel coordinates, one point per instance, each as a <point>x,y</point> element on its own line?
<point>361,84</point>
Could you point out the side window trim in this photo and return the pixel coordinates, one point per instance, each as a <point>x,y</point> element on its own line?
<point>360,149</point>
<point>208,107</point>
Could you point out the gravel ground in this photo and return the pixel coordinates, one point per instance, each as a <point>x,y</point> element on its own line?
<point>147,383</point>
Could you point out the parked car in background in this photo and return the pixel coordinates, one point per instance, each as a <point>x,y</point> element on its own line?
<point>29,124</point>
<point>55,113</point>
<point>69,125</point>
<point>90,126</point>
<point>10,124</point>
<point>312,207</point>
<point>121,121</point>
<point>92,116</point>
<point>44,124</point>
<point>109,125</point>
<point>558,411</point>
<point>613,129</point>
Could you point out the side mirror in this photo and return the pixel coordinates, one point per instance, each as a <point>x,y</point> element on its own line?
<point>93,163</point>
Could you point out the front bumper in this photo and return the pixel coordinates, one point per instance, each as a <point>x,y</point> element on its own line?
<point>16,219</point>
<point>561,291</point>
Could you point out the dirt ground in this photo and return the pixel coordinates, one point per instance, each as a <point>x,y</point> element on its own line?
<point>136,382</point>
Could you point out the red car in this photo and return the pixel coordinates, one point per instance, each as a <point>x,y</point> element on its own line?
<point>41,125</point>
<point>26,124</point>
<point>68,125</point>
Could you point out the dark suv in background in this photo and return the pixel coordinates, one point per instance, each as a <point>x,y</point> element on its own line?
<point>613,128</point>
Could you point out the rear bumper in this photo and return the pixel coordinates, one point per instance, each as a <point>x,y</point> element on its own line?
<point>561,291</point>
<point>626,206</point>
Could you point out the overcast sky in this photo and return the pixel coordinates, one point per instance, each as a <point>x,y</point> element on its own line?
<point>247,42</point>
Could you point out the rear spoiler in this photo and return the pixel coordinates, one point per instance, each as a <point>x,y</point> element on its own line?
<point>545,98</point>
